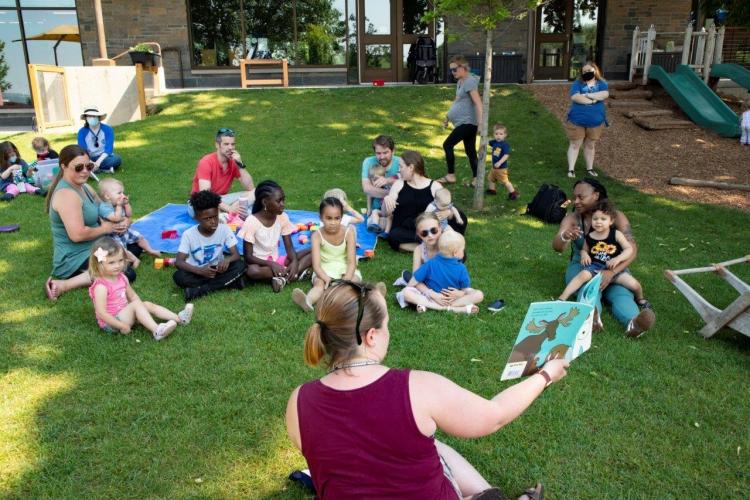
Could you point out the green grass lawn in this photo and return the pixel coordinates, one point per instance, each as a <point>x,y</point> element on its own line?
<point>83,414</point>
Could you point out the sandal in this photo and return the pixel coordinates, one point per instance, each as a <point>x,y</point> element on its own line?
<point>571,174</point>
<point>643,304</point>
<point>536,493</point>
<point>51,290</point>
<point>592,173</point>
<point>421,309</point>
<point>278,283</point>
<point>445,180</point>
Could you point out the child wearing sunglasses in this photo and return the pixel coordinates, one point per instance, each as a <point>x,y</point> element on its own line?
<point>442,283</point>
<point>334,254</point>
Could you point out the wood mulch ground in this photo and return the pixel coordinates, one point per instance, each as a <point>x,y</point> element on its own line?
<point>648,159</point>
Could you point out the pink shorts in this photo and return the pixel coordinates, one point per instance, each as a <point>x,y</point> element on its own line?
<point>281,259</point>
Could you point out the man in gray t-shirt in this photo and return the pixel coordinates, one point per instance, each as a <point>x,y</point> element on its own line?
<point>465,114</point>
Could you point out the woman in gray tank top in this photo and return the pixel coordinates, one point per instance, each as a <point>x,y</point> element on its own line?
<point>465,114</point>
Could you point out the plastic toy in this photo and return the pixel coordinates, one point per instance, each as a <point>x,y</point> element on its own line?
<point>169,234</point>
<point>313,228</point>
<point>166,262</point>
<point>302,239</point>
<point>232,226</point>
<point>301,227</point>
<point>369,253</point>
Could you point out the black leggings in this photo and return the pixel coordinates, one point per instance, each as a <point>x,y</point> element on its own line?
<point>468,134</point>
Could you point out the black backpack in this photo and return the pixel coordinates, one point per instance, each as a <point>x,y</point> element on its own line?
<point>547,204</point>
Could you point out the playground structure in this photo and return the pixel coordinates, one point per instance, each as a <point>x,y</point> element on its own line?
<point>700,59</point>
<point>736,315</point>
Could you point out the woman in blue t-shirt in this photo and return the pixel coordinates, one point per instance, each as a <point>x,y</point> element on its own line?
<point>587,116</point>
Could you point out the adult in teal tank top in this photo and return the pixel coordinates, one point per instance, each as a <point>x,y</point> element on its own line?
<point>73,213</point>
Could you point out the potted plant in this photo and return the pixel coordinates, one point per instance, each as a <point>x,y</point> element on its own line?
<point>143,53</point>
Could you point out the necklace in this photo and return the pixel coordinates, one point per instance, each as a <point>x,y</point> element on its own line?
<point>369,362</point>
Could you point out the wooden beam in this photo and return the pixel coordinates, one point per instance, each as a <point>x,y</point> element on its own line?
<point>680,181</point>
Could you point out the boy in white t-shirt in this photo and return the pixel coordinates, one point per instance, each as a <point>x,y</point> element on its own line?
<point>202,267</point>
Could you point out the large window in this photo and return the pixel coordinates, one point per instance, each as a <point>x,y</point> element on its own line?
<point>306,32</point>
<point>25,38</point>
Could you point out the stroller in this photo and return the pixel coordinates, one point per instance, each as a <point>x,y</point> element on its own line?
<point>422,61</point>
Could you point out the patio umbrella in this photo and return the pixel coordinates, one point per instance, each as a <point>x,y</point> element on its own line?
<point>61,33</point>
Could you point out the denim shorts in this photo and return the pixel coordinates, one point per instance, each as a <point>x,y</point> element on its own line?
<point>109,329</point>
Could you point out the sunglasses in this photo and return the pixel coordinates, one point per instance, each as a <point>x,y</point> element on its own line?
<point>225,131</point>
<point>454,68</point>
<point>88,166</point>
<point>96,141</point>
<point>363,289</point>
<point>427,232</point>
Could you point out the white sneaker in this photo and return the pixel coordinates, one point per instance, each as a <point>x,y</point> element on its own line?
<point>186,314</point>
<point>164,329</point>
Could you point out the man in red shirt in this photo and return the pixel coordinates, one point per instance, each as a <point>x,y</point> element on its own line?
<point>217,171</point>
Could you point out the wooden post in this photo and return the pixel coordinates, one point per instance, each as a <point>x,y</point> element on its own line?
<point>100,29</point>
<point>649,51</point>
<point>686,44</point>
<point>634,53</point>
<point>708,59</point>
<point>719,50</point>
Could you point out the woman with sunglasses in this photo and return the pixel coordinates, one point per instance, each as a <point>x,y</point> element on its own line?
<point>465,114</point>
<point>98,140</point>
<point>368,431</point>
<point>74,218</point>
<point>408,198</point>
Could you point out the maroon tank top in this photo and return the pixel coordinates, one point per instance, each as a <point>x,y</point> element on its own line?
<point>364,443</point>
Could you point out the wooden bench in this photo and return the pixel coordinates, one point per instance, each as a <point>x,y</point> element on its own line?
<point>247,64</point>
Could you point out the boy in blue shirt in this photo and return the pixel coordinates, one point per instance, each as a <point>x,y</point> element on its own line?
<point>500,155</point>
<point>442,283</point>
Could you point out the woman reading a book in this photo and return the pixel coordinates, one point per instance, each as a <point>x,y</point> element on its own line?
<point>573,228</point>
<point>368,431</point>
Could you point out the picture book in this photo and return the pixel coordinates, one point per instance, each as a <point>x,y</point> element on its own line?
<point>553,329</point>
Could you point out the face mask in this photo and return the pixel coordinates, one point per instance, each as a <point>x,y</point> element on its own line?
<point>92,121</point>
<point>12,159</point>
<point>587,76</point>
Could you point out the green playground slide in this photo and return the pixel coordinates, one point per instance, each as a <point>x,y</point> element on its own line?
<point>697,100</point>
<point>734,72</point>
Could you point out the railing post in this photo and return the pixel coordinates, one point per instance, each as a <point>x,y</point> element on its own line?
<point>634,53</point>
<point>710,46</point>
<point>719,50</point>
<point>649,50</point>
<point>686,44</point>
<point>700,49</point>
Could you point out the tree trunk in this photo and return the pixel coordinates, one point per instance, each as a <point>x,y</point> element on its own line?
<point>483,124</point>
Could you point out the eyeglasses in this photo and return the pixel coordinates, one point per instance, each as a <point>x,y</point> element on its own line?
<point>88,166</point>
<point>427,232</point>
<point>363,289</point>
<point>225,131</point>
<point>454,69</point>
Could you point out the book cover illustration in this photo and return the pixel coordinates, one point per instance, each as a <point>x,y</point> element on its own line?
<point>553,329</point>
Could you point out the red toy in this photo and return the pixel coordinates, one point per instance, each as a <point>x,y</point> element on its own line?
<point>169,234</point>
<point>378,83</point>
<point>369,253</point>
<point>302,239</point>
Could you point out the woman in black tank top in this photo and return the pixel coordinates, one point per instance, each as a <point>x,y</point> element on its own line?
<point>408,198</point>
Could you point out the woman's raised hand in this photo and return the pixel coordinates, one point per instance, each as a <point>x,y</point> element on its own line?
<point>556,369</point>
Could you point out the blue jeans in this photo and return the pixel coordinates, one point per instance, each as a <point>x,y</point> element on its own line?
<point>620,298</point>
<point>110,163</point>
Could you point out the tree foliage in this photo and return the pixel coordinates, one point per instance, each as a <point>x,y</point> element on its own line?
<point>739,11</point>
<point>4,84</point>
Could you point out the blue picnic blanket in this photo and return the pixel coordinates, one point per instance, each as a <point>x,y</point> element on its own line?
<point>175,217</point>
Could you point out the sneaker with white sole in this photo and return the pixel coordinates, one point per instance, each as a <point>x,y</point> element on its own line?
<point>186,314</point>
<point>497,306</point>
<point>299,298</point>
<point>164,329</point>
<point>641,323</point>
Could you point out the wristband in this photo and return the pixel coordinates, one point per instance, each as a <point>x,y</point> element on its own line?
<point>562,238</point>
<point>547,378</point>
